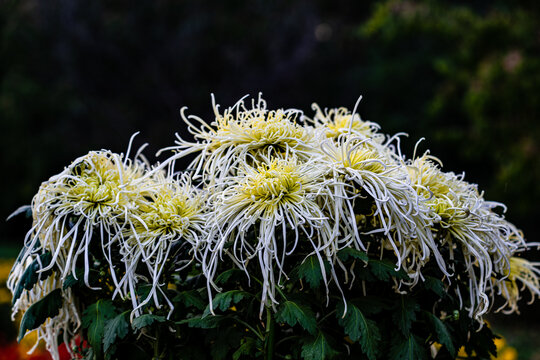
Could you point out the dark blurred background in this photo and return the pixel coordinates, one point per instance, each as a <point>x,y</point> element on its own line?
<point>83,75</point>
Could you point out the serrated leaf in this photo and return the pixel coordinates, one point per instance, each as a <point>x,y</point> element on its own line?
<point>208,322</point>
<point>224,300</point>
<point>310,270</point>
<point>191,298</point>
<point>116,328</point>
<point>94,318</point>
<point>317,349</point>
<point>435,285</point>
<point>408,349</point>
<point>31,275</point>
<point>443,335</point>
<point>385,269</point>
<point>360,328</point>
<point>246,348</point>
<point>293,313</point>
<point>47,307</point>
<point>347,253</point>
<point>71,281</point>
<point>405,313</point>
<point>146,320</point>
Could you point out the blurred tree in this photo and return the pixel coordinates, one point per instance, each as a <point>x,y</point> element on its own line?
<point>473,77</point>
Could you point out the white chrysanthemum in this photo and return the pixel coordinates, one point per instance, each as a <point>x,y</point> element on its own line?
<point>240,135</point>
<point>269,199</point>
<point>401,218</point>
<point>171,216</point>
<point>340,121</point>
<point>90,199</point>
<point>465,218</point>
<point>527,273</point>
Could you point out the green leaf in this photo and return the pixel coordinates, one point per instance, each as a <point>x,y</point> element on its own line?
<point>293,313</point>
<point>207,322</point>
<point>405,314</point>
<point>47,307</point>
<point>435,285</point>
<point>116,328</point>
<point>310,270</point>
<point>146,320</point>
<point>223,301</point>
<point>71,281</point>
<point>347,253</point>
<point>443,335</point>
<point>317,349</point>
<point>408,349</point>
<point>191,298</point>
<point>94,318</point>
<point>31,275</point>
<point>385,269</point>
<point>246,348</point>
<point>359,328</point>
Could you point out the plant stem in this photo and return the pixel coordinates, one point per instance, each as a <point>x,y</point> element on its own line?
<point>250,328</point>
<point>156,347</point>
<point>269,336</point>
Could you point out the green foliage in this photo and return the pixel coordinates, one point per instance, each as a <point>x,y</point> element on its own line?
<point>32,275</point>
<point>72,280</point>
<point>115,329</point>
<point>317,348</point>
<point>310,270</point>
<point>293,313</point>
<point>443,335</point>
<point>207,322</point>
<point>191,298</point>
<point>225,300</point>
<point>347,253</point>
<point>435,285</point>
<point>359,328</point>
<point>94,319</point>
<point>146,320</point>
<point>385,269</point>
<point>405,314</point>
<point>39,312</point>
<point>408,349</point>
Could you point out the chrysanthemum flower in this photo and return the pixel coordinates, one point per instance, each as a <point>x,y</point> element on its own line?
<point>271,198</point>
<point>340,121</point>
<point>527,274</point>
<point>91,198</point>
<point>240,135</point>
<point>465,218</point>
<point>172,215</point>
<point>400,217</point>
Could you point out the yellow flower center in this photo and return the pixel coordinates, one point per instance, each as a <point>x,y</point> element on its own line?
<point>259,129</point>
<point>341,123</point>
<point>278,181</point>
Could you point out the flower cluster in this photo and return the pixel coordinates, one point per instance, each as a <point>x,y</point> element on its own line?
<point>104,208</point>
<point>265,185</point>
